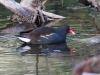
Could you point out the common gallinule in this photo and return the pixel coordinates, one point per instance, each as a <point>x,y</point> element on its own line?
<point>46,35</point>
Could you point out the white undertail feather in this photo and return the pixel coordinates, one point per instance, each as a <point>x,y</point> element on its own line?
<point>24,39</point>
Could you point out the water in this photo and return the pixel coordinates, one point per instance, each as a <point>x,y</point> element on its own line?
<point>18,58</point>
<point>34,59</point>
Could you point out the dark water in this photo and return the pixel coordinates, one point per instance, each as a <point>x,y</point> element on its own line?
<point>17,58</point>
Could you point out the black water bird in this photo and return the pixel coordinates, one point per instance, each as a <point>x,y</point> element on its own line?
<point>46,35</point>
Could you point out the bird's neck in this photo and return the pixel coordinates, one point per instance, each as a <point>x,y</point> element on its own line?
<point>62,30</point>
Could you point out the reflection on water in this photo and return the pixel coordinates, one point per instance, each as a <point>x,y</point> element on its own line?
<point>49,49</point>
<point>18,27</point>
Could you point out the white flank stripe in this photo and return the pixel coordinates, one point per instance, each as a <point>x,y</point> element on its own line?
<point>50,34</point>
<point>43,36</point>
<point>39,40</point>
<point>46,36</point>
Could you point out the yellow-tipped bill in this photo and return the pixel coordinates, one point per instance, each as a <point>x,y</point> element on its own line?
<point>71,31</point>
